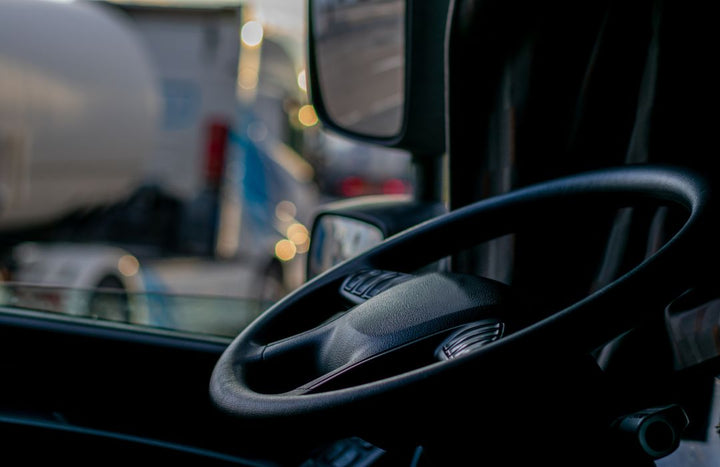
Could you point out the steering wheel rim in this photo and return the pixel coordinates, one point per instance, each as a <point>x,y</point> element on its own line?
<point>616,187</point>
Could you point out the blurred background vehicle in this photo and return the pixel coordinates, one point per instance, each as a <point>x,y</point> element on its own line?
<point>348,169</point>
<point>165,148</point>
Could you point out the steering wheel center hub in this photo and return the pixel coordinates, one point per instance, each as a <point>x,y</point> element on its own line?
<point>410,311</point>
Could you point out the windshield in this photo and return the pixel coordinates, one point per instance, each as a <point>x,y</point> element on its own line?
<point>160,162</point>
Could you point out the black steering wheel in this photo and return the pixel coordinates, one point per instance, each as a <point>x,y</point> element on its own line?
<point>371,337</point>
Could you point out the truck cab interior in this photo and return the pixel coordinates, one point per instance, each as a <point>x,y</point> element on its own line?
<point>549,293</point>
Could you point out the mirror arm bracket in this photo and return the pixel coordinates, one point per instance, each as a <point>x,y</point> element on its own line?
<point>429,177</point>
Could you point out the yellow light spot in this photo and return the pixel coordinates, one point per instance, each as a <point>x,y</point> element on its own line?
<point>299,238</point>
<point>307,115</point>
<point>128,265</point>
<point>285,250</point>
<point>247,78</point>
<point>295,229</point>
<point>301,241</point>
<point>251,33</point>
<point>304,247</point>
<point>285,211</point>
<point>302,80</point>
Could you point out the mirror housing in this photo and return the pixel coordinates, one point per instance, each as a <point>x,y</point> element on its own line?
<point>346,228</point>
<point>420,121</point>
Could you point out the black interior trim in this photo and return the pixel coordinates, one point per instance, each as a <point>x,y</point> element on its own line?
<point>110,330</point>
<point>86,443</point>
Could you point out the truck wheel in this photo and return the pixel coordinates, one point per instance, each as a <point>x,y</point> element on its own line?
<point>109,301</point>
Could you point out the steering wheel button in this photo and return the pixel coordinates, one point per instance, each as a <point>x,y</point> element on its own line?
<point>471,337</point>
<point>368,281</point>
<point>386,283</point>
<point>376,282</point>
<point>366,284</point>
<point>352,281</point>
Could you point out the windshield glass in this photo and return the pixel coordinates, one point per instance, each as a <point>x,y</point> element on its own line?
<point>160,162</point>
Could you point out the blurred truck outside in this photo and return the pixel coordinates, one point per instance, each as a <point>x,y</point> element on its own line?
<point>135,155</point>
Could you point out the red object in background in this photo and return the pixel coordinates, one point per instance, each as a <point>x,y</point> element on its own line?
<point>358,186</point>
<point>353,186</point>
<point>215,151</point>
<point>395,186</point>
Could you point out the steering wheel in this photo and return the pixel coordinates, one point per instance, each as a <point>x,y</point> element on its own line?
<point>371,337</point>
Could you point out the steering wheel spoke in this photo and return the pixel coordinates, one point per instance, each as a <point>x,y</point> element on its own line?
<point>397,360</point>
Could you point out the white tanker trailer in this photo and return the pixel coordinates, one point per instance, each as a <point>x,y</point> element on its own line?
<point>110,118</point>
<point>79,106</point>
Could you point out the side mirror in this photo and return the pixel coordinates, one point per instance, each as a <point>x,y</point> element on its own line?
<point>346,228</point>
<point>376,71</point>
<point>338,238</point>
<point>360,64</point>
